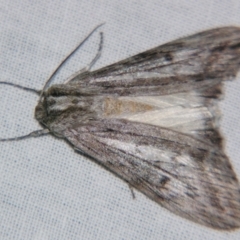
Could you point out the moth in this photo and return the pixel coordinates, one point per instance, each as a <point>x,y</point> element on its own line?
<point>153,120</point>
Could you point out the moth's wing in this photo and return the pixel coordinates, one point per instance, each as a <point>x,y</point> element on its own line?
<point>195,62</point>
<point>189,177</point>
<point>176,85</point>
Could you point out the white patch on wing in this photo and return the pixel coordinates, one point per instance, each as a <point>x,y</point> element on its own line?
<point>186,99</point>
<point>132,76</point>
<point>177,118</point>
<point>141,151</point>
<point>183,112</point>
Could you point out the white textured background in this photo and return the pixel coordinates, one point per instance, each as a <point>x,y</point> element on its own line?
<point>46,190</point>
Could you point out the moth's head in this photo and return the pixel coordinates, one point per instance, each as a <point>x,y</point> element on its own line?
<point>40,112</point>
<point>59,108</point>
<point>54,104</point>
<point>56,112</point>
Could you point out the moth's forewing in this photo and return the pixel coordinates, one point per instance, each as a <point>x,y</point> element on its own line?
<point>190,178</point>
<point>183,64</point>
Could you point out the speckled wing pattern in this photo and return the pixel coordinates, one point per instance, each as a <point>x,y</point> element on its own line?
<point>152,119</point>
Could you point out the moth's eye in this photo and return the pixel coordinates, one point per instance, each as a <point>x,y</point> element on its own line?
<point>38,108</point>
<point>168,57</point>
<point>39,112</point>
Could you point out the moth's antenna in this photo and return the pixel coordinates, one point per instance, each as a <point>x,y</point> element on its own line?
<point>45,131</point>
<point>36,133</point>
<point>97,55</point>
<point>22,88</point>
<point>89,66</point>
<point>66,58</point>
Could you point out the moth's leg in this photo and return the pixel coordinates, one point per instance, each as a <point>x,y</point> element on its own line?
<point>89,66</point>
<point>22,87</point>
<point>36,133</point>
<point>132,191</point>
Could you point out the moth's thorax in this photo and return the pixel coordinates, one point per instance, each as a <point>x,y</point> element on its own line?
<point>60,111</point>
